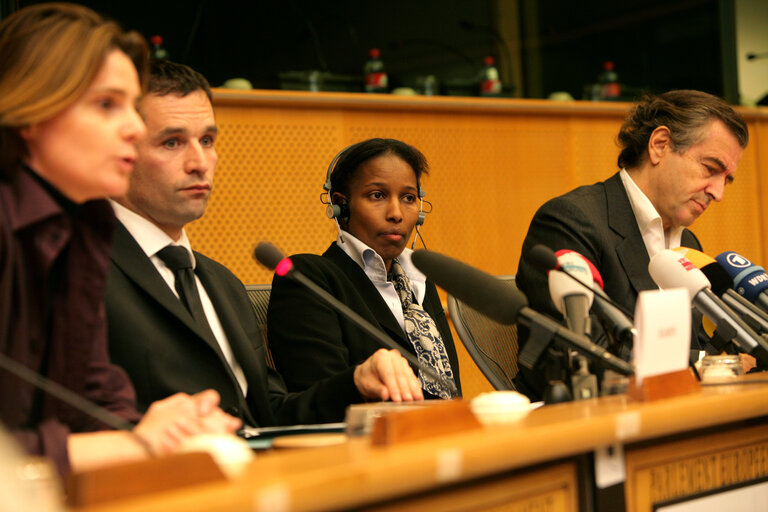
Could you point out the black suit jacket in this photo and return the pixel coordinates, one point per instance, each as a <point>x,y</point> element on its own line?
<point>155,339</point>
<point>596,221</point>
<point>310,341</point>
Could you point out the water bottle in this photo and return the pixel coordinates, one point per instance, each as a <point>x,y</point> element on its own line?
<point>490,85</point>
<point>375,75</point>
<point>158,51</point>
<point>608,80</point>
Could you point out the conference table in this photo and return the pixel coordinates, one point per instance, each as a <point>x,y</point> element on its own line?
<point>657,454</point>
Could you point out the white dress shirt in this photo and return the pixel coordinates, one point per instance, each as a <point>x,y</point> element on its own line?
<point>373,266</point>
<point>649,220</point>
<point>152,239</point>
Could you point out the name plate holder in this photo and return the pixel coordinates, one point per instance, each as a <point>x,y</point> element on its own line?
<point>120,481</point>
<point>413,424</point>
<point>662,345</point>
<point>666,385</point>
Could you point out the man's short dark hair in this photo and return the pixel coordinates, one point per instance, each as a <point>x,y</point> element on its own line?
<point>166,77</point>
<point>356,155</point>
<point>685,112</point>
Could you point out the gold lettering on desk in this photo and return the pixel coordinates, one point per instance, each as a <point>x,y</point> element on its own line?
<point>699,474</point>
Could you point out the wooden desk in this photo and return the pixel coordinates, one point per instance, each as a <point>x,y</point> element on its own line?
<point>507,464</point>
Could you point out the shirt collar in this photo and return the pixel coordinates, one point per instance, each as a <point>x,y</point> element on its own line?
<point>645,213</point>
<point>373,264</point>
<point>149,237</point>
<point>65,203</point>
<point>368,259</point>
<point>29,200</point>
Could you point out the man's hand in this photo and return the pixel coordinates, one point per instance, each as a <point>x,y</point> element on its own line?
<point>386,375</point>
<point>168,422</point>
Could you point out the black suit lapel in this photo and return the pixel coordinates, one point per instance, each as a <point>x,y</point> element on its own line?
<point>242,346</point>
<point>370,295</point>
<point>130,259</point>
<point>622,220</point>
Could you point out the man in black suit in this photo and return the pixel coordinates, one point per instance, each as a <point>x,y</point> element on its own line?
<point>210,338</point>
<point>679,151</point>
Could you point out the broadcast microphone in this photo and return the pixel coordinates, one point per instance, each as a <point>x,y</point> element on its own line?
<point>671,270</point>
<point>271,257</point>
<point>572,298</point>
<point>722,285</point>
<point>616,319</point>
<point>505,304</point>
<point>749,279</point>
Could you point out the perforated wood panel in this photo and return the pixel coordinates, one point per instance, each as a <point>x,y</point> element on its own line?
<point>493,163</point>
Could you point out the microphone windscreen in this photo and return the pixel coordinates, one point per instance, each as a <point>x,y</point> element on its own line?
<point>268,255</point>
<point>596,277</point>
<point>698,258</point>
<point>492,297</point>
<point>562,286</point>
<point>749,280</point>
<point>718,278</point>
<point>671,270</point>
<point>543,257</point>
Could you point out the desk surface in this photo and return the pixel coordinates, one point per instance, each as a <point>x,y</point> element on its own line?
<point>357,473</point>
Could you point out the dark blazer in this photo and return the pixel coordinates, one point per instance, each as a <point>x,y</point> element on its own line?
<point>156,340</point>
<point>310,341</point>
<point>596,221</point>
<point>53,268</point>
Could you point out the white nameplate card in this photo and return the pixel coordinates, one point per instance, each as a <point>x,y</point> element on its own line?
<point>663,338</point>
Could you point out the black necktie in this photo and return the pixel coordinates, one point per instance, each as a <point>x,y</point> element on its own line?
<point>178,260</point>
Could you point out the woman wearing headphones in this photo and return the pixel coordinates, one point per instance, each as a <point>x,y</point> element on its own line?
<point>375,196</point>
<point>69,83</point>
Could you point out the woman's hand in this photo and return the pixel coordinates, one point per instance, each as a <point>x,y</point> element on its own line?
<point>386,375</point>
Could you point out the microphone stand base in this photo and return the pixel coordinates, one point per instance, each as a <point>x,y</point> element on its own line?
<point>557,392</point>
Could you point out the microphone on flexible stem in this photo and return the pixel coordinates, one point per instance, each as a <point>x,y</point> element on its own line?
<point>72,399</point>
<point>671,270</point>
<point>507,305</point>
<point>271,257</point>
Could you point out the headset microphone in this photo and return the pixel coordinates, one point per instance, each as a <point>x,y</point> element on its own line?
<point>336,211</point>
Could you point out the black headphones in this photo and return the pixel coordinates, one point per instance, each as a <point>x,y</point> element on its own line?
<point>341,210</point>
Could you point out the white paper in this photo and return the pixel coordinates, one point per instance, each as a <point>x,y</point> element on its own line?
<point>751,498</point>
<point>663,339</point>
<point>609,466</point>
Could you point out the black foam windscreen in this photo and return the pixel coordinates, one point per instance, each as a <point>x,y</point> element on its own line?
<point>492,297</point>
<point>543,257</point>
<point>718,278</point>
<point>268,255</point>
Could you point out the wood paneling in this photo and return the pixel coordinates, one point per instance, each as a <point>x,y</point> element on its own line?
<point>493,163</point>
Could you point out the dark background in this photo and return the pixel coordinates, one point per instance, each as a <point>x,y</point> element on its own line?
<point>656,45</point>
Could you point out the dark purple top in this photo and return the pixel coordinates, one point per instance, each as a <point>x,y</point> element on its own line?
<point>53,266</point>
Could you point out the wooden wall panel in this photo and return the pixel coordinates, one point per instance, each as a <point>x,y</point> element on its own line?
<point>493,163</point>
